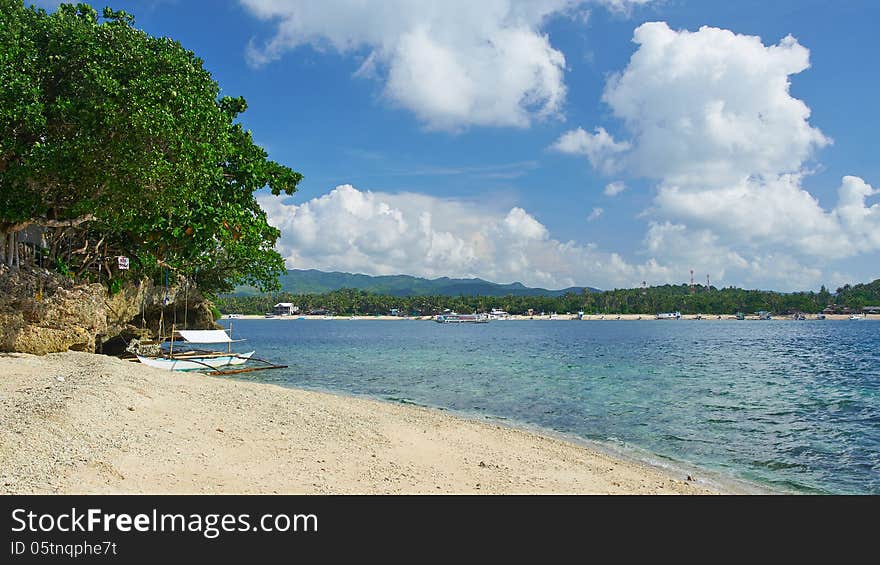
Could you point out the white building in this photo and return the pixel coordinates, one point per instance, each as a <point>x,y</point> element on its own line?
<point>285,309</point>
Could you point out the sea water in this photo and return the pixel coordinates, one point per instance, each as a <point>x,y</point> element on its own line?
<point>790,406</point>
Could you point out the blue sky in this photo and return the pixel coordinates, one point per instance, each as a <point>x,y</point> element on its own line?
<point>460,138</point>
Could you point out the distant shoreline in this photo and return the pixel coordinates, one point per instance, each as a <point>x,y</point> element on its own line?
<point>547,317</point>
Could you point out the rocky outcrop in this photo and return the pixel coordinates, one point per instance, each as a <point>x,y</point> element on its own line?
<point>42,312</point>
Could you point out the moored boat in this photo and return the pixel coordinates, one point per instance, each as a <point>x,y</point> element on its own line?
<point>453,318</point>
<point>669,316</point>
<point>498,314</point>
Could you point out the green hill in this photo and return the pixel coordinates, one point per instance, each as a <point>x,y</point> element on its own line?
<point>311,281</point>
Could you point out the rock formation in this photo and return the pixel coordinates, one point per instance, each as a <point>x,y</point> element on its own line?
<point>43,312</point>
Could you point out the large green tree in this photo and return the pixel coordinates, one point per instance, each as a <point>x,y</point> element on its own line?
<point>117,143</point>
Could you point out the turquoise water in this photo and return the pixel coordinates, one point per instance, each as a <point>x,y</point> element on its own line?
<point>791,406</point>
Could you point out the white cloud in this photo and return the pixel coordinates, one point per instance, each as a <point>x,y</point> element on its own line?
<point>380,233</point>
<point>859,221</point>
<point>709,254</point>
<point>710,116</point>
<point>599,147</point>
<point>712,106</point>
<point>614,188</point>
<point>624,6</point>
<point>595,214</point>
<point>706,107</point>
<point>454,63</point>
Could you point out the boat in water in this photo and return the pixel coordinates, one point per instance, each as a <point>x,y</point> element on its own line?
<point>498,314</point>
<point>453,318</point>
<point>857,317</point>
<point>669,316</point>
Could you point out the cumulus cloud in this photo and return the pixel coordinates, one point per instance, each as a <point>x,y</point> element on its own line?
<point>379,233</point>
<point>712,106</point>
<point>454,63</point>
<point>709,115</point>
<point>595,214</point>
<point>599,147</point>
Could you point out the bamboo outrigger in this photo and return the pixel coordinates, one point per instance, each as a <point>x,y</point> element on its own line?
<point>200,359</point>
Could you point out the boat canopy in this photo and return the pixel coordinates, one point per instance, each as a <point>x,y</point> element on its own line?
<point>206,336</point>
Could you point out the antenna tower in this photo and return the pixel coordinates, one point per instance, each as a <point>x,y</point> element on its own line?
<point>692,281</point>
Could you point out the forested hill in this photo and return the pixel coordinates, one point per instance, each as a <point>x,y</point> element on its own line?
<point>311,281</point>
<point>650,300</point>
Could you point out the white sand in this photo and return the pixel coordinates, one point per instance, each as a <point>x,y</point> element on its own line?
<point>81,423</point>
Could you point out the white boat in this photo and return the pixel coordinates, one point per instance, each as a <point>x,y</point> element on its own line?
<point>669,316</point>
<point>498,314</point>
<point>194,360</point>
<point>195,363</point>
<point>856,317</point>
<point>454,318</point>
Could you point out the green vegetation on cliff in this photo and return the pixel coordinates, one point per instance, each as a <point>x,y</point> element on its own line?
<point>116,143</point>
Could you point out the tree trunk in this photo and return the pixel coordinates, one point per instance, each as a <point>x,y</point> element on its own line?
<point>10,249</point>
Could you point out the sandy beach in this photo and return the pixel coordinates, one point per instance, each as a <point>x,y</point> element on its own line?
<point>83,423</point>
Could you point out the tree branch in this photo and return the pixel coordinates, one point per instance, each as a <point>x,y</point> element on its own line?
<point>47,223</point>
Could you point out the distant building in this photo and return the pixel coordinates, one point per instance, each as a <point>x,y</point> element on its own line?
<point>395,312</point>
<point>871,309</point>
<point>285,309</point>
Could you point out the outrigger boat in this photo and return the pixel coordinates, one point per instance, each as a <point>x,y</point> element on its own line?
<point>214,362</point>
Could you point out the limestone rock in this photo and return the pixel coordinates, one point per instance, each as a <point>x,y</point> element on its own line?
<point>42,312</point>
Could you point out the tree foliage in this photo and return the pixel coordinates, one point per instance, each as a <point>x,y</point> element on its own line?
<point>119,144</point>
<point>647,301</point>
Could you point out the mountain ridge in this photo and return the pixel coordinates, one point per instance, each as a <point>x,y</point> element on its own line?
<point>313,281</point>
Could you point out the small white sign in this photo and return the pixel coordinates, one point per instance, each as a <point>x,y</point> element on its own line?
<point>123,263</point>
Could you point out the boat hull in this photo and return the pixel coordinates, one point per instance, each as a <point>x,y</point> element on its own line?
<point>461,320</point>
<point>195,364</point>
